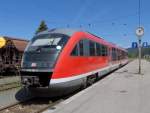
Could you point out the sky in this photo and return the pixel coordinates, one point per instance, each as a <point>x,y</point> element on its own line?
<point>113,20</point>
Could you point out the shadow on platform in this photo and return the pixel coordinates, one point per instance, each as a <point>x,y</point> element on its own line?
<point>23,94</point>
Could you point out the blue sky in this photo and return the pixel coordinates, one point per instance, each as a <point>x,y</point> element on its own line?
<point>114,20</point>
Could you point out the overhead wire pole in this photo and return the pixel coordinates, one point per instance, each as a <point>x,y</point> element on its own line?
<point>139,38</point>
<point>139,13</point>
<point>139,33</point>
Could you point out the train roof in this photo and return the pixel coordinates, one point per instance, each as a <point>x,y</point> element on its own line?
<point>70,32</point>
<point>67,31</point>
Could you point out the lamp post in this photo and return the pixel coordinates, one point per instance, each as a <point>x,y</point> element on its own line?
<point>139,33</point>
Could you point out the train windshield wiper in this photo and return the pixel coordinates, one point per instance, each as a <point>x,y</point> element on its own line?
<point>39,48</point>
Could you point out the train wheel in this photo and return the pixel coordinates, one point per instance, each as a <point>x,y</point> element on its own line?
<point>91,79</point>
<point>84,85</point>
<point>97,78</point>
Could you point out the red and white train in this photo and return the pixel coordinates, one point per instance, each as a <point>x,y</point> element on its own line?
<point>59,61</point>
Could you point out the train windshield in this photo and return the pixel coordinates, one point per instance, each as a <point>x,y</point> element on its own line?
<point>43,50</point>
<point>47,42</point>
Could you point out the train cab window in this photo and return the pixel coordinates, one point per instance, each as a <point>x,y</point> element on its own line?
<point>81,48</point>
<point>92,48</point>
<point>75,51</point>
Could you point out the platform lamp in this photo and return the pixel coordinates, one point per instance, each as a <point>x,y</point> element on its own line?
<point>139,34</point>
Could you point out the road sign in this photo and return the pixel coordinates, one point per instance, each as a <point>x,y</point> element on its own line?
<point>139,32</point>
<point>134,45</point>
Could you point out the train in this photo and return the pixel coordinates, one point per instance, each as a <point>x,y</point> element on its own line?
<point>11,50</point>
<point>59,61</point>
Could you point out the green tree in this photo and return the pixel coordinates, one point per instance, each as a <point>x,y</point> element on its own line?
<point>42,27</point>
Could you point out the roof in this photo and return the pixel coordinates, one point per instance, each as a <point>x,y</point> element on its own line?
<point>20,44</point>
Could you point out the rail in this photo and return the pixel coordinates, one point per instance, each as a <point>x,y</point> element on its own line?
<point>8,86</point>
<point>36,105</point>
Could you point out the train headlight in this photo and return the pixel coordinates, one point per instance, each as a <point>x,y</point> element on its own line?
<point>58,47</point>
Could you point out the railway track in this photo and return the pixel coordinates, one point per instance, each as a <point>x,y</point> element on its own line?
<point>8,86</point>
<point>36,105</point>
<point>9,82</point>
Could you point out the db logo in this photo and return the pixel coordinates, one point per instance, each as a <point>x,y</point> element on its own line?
<point>33,65</point>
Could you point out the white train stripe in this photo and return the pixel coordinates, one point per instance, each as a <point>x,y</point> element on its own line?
<point>61,80</point>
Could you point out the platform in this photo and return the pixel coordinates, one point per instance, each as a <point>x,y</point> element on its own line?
<point>123,91</point>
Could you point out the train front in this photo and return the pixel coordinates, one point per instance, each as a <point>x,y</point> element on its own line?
<point>40,57</point>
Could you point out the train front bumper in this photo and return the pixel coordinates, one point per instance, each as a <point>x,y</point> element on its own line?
<point>38,78</point>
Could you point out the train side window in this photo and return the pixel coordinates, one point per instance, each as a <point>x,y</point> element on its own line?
<point>81,48</point>
<point>92,48</point>
<point>86,47</point>
<point>112,52</point>
<point>118,54</point>
<point>98,49</point>
<point>103,50</point>
<point>75,51</point>
<point>106,51</point>
<point>115,54</point>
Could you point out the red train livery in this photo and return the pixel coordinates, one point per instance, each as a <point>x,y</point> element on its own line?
<point>65,58</point>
